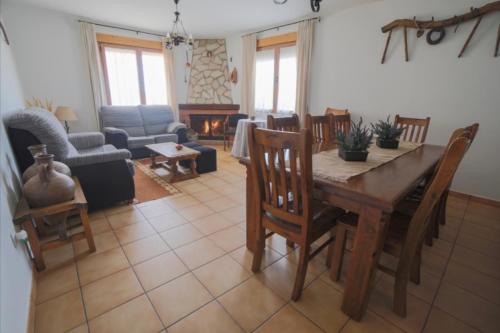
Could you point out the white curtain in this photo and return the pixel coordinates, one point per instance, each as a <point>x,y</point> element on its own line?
<point>94,67</point>
<point>168,56</point>
<point>248,75</point>
<point>305,36</point>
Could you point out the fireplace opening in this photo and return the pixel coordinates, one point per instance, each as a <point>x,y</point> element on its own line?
<point>208,127</point>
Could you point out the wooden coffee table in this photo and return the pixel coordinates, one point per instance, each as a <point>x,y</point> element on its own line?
<point>172,155</point>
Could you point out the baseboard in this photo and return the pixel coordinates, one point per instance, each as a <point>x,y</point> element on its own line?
<point>30,328</point>
<point>474,198</point>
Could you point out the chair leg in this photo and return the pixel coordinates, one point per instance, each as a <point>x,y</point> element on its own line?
<point>429,232</point>
<point>338,254</point>
<point>399,302</point>
<point>442,208</point>
<point>301,272</point>
<point>331,248</point>
<point>259,251</point>
<point>415,268</point>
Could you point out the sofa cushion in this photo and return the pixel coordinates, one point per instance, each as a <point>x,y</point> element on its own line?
<point>95,155</point>
<point>139,141</point>
<point>161,138</point>
<point>156,118</point>
<point>127,118</point>
<point>46,128</point>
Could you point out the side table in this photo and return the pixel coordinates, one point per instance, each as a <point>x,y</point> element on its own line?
<point>26,217</point>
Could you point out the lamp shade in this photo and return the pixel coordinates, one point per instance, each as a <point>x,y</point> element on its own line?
<point>65,113</point>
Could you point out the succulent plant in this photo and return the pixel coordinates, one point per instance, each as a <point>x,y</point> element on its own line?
<point>358,139</point>
<point>386,131</point>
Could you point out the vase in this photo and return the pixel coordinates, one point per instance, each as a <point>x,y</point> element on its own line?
<point>49,187</point>
<point>32,170</point>
<point>388,144</point>
<point>353,156</point>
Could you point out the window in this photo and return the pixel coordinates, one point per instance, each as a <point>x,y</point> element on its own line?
<point>276,74</point>
<point>134,71</point>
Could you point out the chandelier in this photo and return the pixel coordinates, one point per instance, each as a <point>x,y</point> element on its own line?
<point>315,4</point>
<point>178,34</point>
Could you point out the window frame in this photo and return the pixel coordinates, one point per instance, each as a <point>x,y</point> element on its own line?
<point>135,44</point>
<point>276,43</point>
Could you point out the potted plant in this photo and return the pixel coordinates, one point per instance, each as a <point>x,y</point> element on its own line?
<point>354,145</point>
<point>387,134</point>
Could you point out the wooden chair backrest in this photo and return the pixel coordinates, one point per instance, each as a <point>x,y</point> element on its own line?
<point>450,161</point>
<point>415,128</point>
<point>341,124</point>
<point>287,124</point>
<point>276,158</point>
<point>319,126</point>
<point>473,129</point>
<point>336,112</point>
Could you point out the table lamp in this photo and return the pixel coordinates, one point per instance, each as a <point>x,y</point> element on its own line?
<point>65,113</point>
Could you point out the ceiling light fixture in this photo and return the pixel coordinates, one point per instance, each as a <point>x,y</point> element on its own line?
<point>315,4</point>
<point>178,34</point>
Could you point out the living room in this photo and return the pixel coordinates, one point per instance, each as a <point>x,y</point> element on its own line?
<point>155,114</point>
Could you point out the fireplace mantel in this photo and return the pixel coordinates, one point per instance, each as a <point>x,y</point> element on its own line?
<point>186,110</point>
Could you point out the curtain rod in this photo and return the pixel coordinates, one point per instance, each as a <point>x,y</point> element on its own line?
<point>282,26</point>
<point>121,28</point>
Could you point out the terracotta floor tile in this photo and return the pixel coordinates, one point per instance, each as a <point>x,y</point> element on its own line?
<point>481,245</point>
<point>211,318</point>
<point>440,247</point>
<point>96,215</point>
<point>381,302</point>
<point>211,223</point>
<point>60,314</point>
<point>103,242</point>
<point>136,316</point>
<point>55,282</point>
<point>181,201</point>
<point>159,270</point>
<point>193,188</point>
<point>485,221</point>
<point>126,218</point>
<point>278,244</point>
<point>280,277</point>
<point>434,264</point>
<point>321,303</point>
<point>221,275</point>
<point>193,213</point>
<point>480,231</point>
<point>104,294</point>
<point>229,239</point>
<point>178,298</point>
<point>167,221</point>
<point>480,262</point>
<point>221,203</point>
<point>215,183</point>
<point>145,249</point>
<point>370,323</point>
<point>80,329</point>
<point>134,232</point>
<point>426,290</point>
<point>440,321</point>
<point>206,195</point>
<point>95,267</point>
<point>317,265</point>
<point>245,257</point>
<point>119,208</point>
<point>228,189</point>
<point>155,208</point>
<point>99,226</point>
<point>59,257</point>
<point>251,303</point>
<point>471,309</point>
<point>288,320</point>
<point>182,235</point>
<point>473,281</point>
<point>198,253</point>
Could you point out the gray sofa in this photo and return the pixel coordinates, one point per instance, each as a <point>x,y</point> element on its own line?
<point>133,127</point>
<point>106,173</point>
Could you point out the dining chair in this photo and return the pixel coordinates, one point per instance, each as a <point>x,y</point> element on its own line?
<point>287,124</point>
<point>230,127</point>
<point>406,234</point>
<point>319,126</point>
<point>285,196</point>
<point>341,124</point>
<point>415,129</point>
<point>336,112</point>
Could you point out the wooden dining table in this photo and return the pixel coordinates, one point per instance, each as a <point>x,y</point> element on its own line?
<point>373,196</point>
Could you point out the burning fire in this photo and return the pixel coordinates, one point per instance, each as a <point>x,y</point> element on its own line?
<point>214,124</point>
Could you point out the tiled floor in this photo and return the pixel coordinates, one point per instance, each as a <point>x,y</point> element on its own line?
<point>180,264</point>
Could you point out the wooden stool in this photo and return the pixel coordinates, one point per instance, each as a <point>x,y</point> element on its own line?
<point>26,217</point>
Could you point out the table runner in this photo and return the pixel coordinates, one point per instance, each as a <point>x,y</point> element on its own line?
<point>328,166</point>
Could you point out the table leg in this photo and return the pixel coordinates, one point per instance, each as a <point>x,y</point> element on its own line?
<point>251,214</point>
<point>86,228</point>
<point>193,168</point>
<point>34,244</point>
<point>154,165</point>
<point>368,243</point>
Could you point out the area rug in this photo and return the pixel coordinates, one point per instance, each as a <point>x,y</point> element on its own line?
<point>149,183</point>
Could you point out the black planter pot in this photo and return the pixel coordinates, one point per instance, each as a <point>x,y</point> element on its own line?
<point>353,156</point>
<point>388,144</point>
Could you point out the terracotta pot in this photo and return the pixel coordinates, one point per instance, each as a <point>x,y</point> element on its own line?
<point>33,169</point>
<point>48,187</point>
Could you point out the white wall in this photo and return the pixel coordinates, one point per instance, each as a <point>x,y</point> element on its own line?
<point>346,73</point>
<point>15,268</point>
